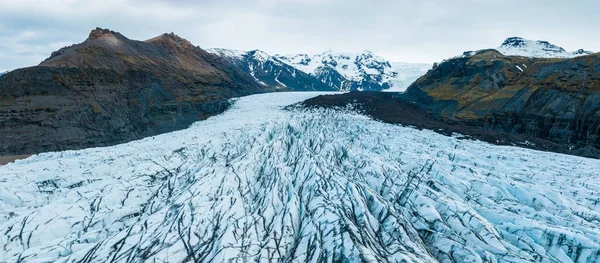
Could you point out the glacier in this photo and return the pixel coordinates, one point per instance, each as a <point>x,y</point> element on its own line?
<point>407,74</point>
<point>269,182</point>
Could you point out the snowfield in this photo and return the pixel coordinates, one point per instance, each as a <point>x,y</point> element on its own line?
<point>260,183</point>
<point>518,46</point>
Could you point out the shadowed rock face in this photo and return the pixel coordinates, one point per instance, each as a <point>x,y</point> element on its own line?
<point>110,89</point>
<point>552,99</point>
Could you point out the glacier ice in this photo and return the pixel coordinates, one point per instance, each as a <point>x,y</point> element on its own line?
<point>263,183</point>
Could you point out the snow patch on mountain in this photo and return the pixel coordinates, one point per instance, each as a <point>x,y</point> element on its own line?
<point>229,53</point>
<point>517,46</point>
<point>257,55</point>
<point>262,183</point>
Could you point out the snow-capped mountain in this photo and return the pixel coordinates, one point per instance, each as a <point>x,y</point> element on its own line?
<point>327,71</point>
<point>345,71</point>
<point>517,46</point>
<point>260,183</point>
<point>267,70</point>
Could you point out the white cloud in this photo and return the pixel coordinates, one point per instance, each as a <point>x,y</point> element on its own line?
<point>402,30</point>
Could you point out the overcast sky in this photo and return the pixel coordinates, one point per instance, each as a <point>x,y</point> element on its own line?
<point>399,30</point>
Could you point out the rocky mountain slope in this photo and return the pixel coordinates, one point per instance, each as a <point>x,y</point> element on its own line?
<point>553,99</point>
<point>110,89</point>
<point>263,184</point>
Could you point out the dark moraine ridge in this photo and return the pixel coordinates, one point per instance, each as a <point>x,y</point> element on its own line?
<point>110,89</point>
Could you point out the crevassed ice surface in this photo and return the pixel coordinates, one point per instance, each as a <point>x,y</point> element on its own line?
<point>259,183</point>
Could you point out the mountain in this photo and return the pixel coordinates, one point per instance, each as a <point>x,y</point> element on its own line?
<point>345,71</point>
<point>517,46</point>
<point>548,103</point>
<point>110,89</point>
<point>326,71</point>
<point>264,182</point>
<point>553,99</point>
<point>268,70</point>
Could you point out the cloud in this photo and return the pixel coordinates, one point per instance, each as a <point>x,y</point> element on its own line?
<point>401,30</point>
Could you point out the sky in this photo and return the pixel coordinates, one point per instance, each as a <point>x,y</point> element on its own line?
<point>398,30</point>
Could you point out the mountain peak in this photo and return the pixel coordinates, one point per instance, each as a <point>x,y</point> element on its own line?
<point>519,42</point>
<point>513,42</point>
<point>363,68</point>
<point>101,33</point>
<point>582,52</point>
<point>171,40</point>
<point>259,55</point>
<point>518,46</point>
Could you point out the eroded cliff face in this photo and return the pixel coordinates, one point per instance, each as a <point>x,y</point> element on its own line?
<point>552,99</point>
<point>110,89</point>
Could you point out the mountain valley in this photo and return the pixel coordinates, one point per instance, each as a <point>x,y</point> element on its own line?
<point>119,150</point>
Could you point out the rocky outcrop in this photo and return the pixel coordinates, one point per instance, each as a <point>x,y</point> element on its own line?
<point>553,99</point>
<point>110,89</point>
